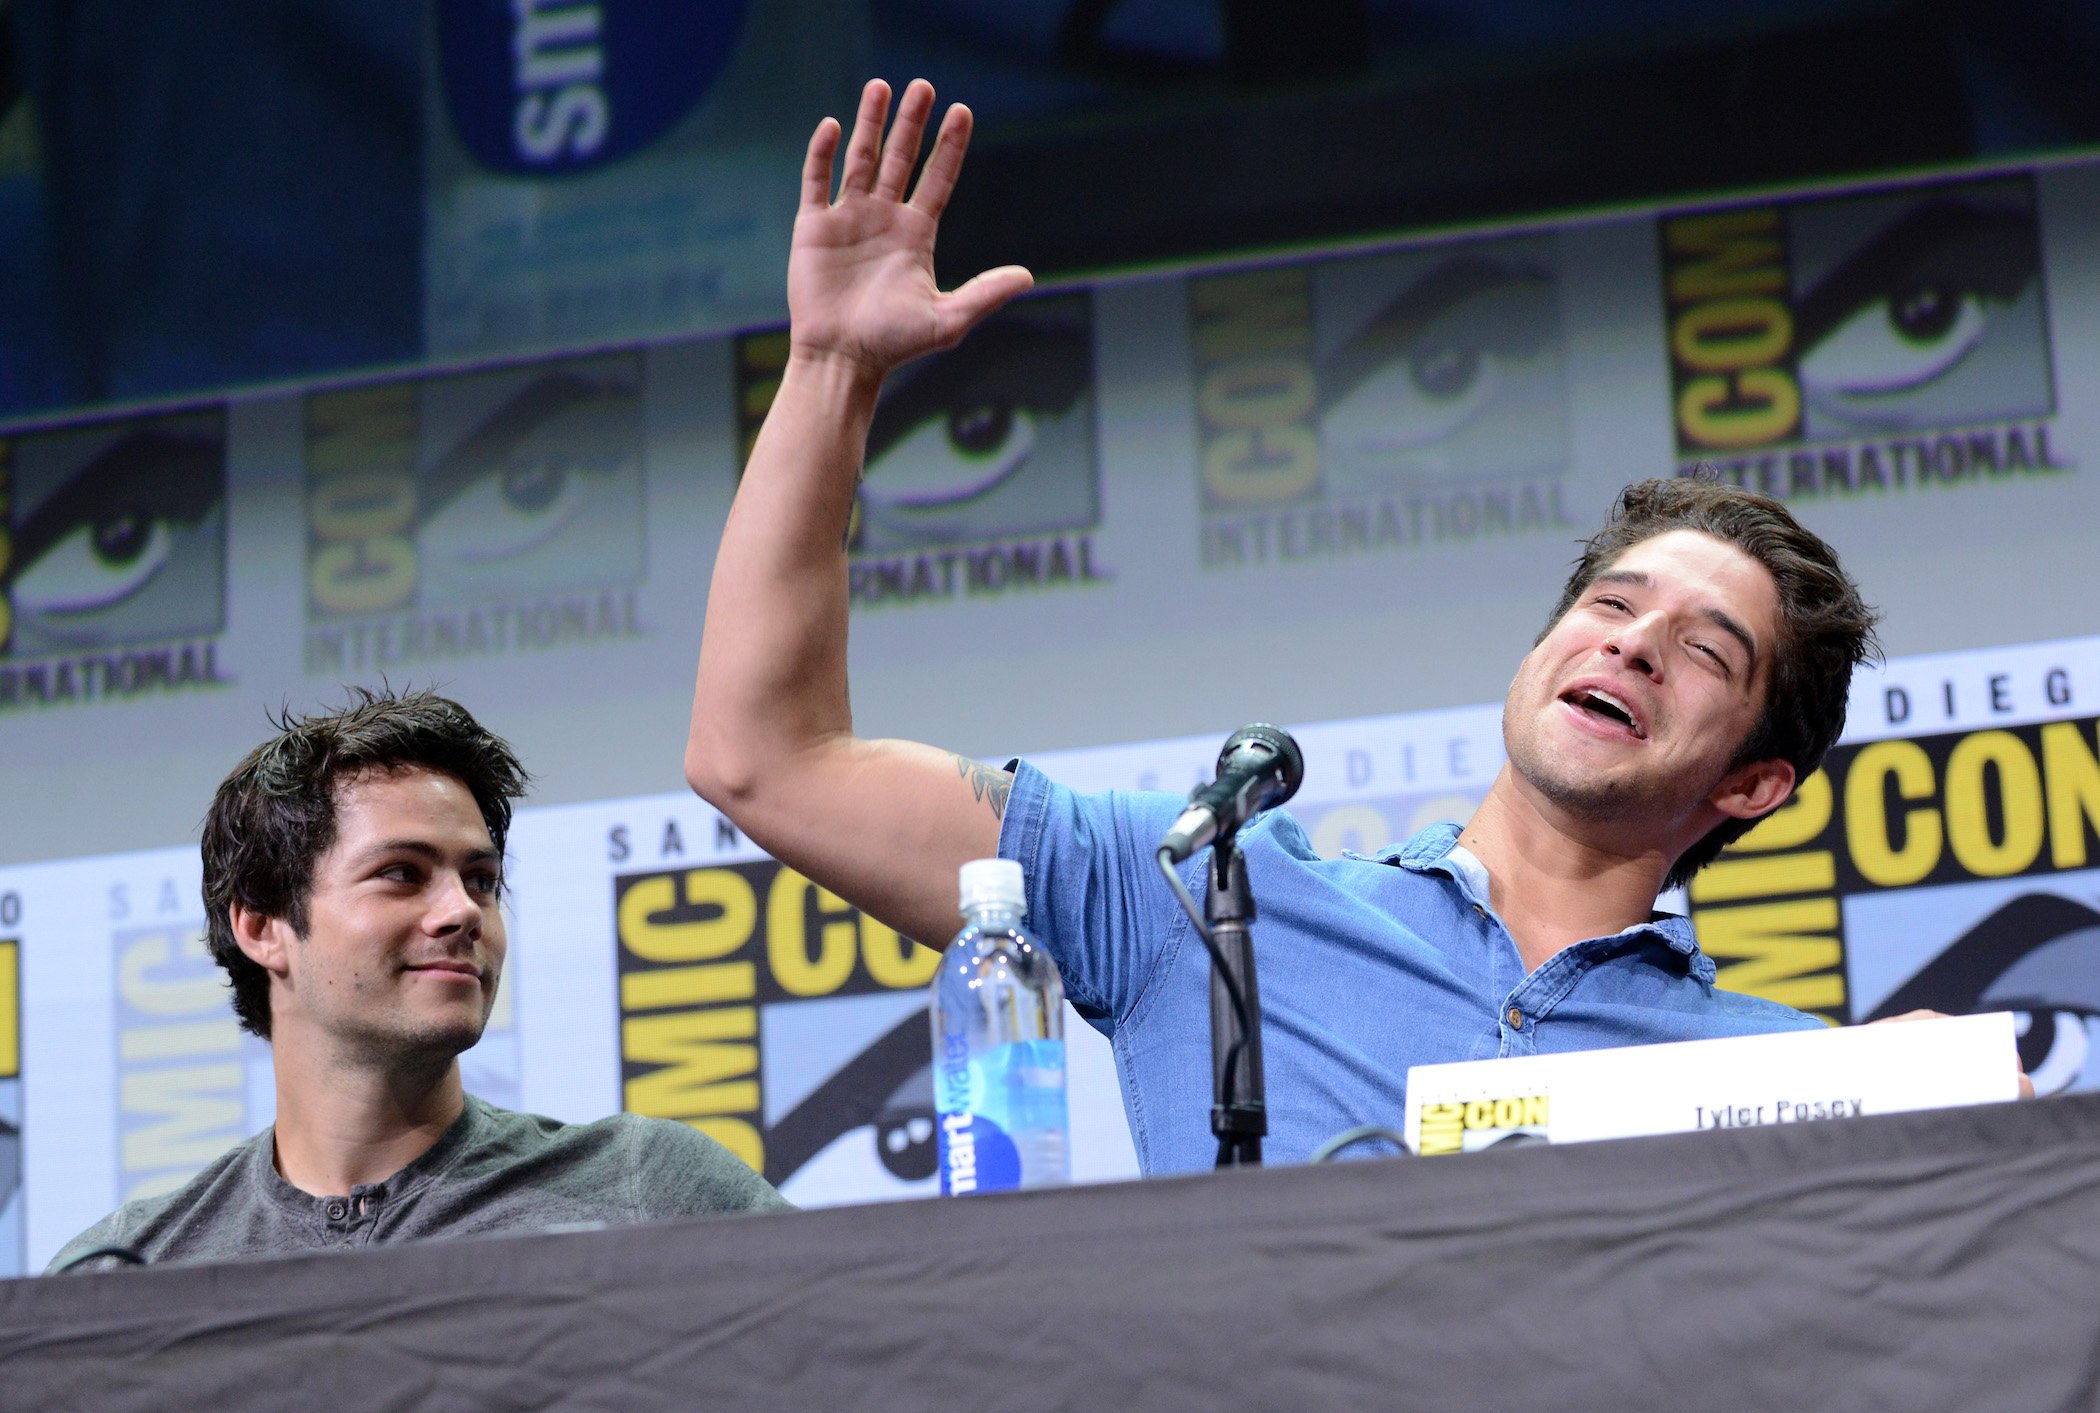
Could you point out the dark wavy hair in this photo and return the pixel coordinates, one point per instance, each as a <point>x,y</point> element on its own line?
<point>274,816</point>
<point>1825,628</point>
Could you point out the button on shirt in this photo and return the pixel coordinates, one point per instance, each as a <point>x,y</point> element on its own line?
<point>1366,966</point>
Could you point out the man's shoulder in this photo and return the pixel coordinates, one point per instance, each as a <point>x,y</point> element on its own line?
<point>671,1168</point>
<point>151,1227</point>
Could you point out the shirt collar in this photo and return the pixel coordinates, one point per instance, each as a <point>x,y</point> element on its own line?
<point>1430,851</point>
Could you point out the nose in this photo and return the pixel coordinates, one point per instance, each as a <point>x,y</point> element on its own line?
<point>453,908</point>
<point>1639,643</point>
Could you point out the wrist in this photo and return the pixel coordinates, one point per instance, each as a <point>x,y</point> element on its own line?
<point>835,371</point>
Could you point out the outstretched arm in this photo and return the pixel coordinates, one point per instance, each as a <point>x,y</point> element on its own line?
<point>884,824</point>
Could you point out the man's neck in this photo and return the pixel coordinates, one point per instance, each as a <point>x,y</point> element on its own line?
<point>340,1124</point>
<point>1554,882</point>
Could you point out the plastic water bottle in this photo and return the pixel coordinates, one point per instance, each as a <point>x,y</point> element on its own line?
<point>999,1045</point>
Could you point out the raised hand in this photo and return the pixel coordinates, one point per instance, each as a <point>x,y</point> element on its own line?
<point>860,272</point>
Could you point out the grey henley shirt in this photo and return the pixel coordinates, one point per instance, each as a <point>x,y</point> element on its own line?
<point>492,1171</point>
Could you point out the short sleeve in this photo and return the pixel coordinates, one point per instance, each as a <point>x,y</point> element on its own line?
<point>1095,896</point>
<point>681,1172</point>
<point>107,1232</point>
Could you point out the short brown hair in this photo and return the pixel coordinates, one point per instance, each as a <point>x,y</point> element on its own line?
<point>274,816</point>
<point>1825,628</point>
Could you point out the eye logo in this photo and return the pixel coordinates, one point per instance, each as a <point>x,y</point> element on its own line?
<point>960,448</point>
<point>1380,401</point>
<point>473,489</point>
<point>982,475</point>
<point>2038,956</point>
<point>1888,316</point>
<point>115,534</point>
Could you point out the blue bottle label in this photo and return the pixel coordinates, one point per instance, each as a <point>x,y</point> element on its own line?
<point>993,1106</point>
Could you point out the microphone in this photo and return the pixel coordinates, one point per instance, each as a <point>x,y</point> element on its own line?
<point>1261,766</point>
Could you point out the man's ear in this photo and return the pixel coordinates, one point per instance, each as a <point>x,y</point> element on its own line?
<point>1754,790</point>
<point>264,939</point>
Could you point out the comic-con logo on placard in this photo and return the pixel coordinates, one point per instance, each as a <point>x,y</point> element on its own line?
<point>473,514</point>
<point>783,1022</point>
<point>1956,872</point>
<point>982,475</point>
<point>112,558</point>
<point>1875,343</point>
<point>1370,404</point>
<point>11,1224</point>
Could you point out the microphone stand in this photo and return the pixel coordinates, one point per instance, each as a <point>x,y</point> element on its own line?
<point>1238,1113</point>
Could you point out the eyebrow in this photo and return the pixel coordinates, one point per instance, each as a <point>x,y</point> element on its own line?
<point>1720,618</point>
<point>426,850</point>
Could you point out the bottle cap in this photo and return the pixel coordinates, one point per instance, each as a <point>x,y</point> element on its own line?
<point>995,883</point>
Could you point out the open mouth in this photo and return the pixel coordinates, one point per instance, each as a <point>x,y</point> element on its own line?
<point>1599,702</point>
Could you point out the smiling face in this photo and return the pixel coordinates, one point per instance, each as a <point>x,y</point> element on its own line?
<point>1631,709</point>
<point>404,943</point>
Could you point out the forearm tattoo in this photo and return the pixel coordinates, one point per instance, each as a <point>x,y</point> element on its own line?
<point>989,785</point>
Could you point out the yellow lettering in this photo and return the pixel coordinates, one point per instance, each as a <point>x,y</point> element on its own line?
<point>364,505</point>
<point>787,937</point>
<point>1741,250</point>
<point>707,985</point>
<point>1257,392</point>
<point>1535,1109</point>
<point>1727,879</point>
<point>893,960</point>
<point>195,1113</point>
<point>10,1010</point>
<point>183,1040</point>
<point>2019,800</point>
<point>701,941</point>
<point>185,996</point>
<point>1874,851</point>
<point>1443,1129</point>
<point>1250,468</point>
<point>1262,311</point>
<point>1793,823</point>
<point>367,576</point>
<point>1789,951</point>
<point>1725,335</point>
<point>700,1069</point>
<point>1760,405</point>
<point>2071,769</point>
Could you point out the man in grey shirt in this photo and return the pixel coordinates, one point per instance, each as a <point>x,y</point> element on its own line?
<point>353,874</point>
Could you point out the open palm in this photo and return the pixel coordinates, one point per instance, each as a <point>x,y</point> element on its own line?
<point>860,272</point>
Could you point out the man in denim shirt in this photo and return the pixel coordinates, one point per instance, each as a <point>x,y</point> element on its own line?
<point>1696,666</point>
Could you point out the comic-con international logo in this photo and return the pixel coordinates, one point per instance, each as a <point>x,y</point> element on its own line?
<point>982,475</point>
<point>112,558</point>
<point>11,1224</point>
<point>473,514</point>
<point>1874,343</point>
<point>778,1019</point>
<point>1372,404</point>
<point>1956,872</point>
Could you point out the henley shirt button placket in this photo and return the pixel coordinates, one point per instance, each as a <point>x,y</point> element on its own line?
<point>338,1209</point>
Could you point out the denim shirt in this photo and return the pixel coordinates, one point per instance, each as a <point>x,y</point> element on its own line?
<point>1365,966</point>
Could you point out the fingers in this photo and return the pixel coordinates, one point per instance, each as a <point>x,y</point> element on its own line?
<point>901,153</point>
<point>937,182</point>
<point>865,146</point>
<point>816,163</point>
<point>961,311</point>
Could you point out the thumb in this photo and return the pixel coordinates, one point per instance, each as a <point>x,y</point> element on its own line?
<point>964,308</point>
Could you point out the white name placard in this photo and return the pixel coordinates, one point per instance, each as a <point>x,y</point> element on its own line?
<point>1708,1085</point>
